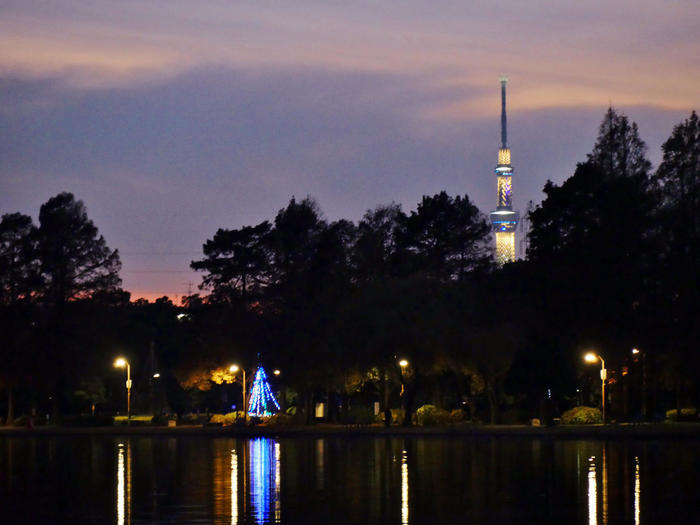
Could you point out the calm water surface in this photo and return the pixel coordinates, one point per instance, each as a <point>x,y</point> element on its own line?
<point>347,480</point>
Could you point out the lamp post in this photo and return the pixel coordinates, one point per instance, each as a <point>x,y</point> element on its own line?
<point>402,366</point>
<point>120,362</point>
<point>592,358</point>
<point>636,352</point>
<point>234,369</point>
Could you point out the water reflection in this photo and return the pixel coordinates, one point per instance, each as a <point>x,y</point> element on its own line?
<point>637,491</point>
<point>264,478</point>
<point>124,483</point>
<point>404,488</point>
<point>389,480</point>
<point>605,488</point>
<point>593,489</point>
<point>234,487</point>
<point>592,493</point>
<point>278,477</point>
<point>320,474</point>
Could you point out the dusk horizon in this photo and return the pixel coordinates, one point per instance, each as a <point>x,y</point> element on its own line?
<point>170,121</point>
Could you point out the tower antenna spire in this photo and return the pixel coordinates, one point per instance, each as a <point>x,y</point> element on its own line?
<point>504,130</point>
<point>503,218</point>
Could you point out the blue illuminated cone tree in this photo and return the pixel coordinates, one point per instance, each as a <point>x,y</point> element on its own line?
<point>262,401</point>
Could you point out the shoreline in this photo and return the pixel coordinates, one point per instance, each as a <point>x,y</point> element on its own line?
<point>638,430</point>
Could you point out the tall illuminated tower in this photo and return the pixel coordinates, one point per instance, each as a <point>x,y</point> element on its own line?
<point>503,218</point>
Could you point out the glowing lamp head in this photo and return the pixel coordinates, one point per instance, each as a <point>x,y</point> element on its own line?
<point>635,351</point>
<point>233,368</point>
<point>276,372</point>
<point>590,357</point>
<point>120,362</point>
<point>156,375</point>
<point>403,363</point>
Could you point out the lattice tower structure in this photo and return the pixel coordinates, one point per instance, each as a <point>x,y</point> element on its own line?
<point>503,219</point>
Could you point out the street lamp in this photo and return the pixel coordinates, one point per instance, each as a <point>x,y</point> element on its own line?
<point>403,364</point>
<point>120,362</point>
<point>636,352</point>
<point>234,369</point>
<point>276,372</point>
<point>591,357</point>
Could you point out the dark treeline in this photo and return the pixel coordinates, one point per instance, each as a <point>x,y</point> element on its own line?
<point>334,305</point>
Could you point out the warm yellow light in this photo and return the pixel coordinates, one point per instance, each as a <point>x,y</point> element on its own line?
<point>590,357</point>
<point>276,372</point>
<point>504,156</point>
<point>403,363</point>
<point>635,351</point>
<point>505,247</point>
<point>120,362</point>
<point>156,375</point>
<point>233,368</point>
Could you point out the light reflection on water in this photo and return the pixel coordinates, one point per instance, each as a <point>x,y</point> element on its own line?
<point>139,480</point>
<point>404,488</point>
<point>260,468</point>
<point>264,476</point>
<point>592,493</point>
<point>637,492</point>
<point>234,488</point>
<point>124,484</point>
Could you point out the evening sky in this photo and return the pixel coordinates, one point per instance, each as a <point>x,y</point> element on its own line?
<point>171,119</point>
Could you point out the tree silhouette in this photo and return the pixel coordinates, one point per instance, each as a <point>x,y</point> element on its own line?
<point>19,280</point>
<point>19,265</point>
<point>619,151</point>
<point>237,263</point>
<point>376,250</point>
<point>591,248</point>
<point>447,236</point>
<point>677,182</point>
<point>75,262</point>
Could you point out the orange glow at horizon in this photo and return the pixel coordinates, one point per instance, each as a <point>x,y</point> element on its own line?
<point>152,296</point>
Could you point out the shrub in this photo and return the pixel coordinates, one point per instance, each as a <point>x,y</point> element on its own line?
<point>282,418</point>
<point>687,414</point>
<point>430,415</point>
<point>227,419</point>
<point>457,415</point>
<point>140,420</point>
<point>582,416</point>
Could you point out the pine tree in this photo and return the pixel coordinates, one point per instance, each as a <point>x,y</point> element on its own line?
<point>619,151</point>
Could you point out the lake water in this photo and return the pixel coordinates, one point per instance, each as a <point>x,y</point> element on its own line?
<point>134,480</point>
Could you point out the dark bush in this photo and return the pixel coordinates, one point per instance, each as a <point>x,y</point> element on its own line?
<point>430,415</point>
<point>582,416</point>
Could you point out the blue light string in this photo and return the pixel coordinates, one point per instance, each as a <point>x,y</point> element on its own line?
<point>262,400</point>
